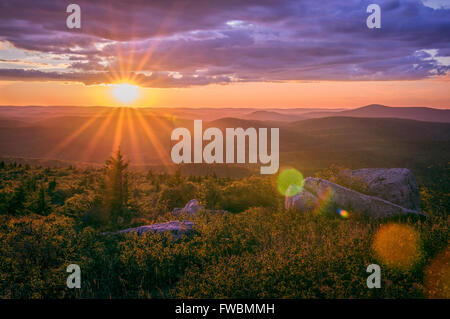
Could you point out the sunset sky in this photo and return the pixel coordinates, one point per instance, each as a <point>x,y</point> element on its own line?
<point>234,53</point>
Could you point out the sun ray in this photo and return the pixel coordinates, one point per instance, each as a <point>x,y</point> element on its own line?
<point>136,149</point>
<point>98,135</point>
<point>74,135</point>
<point>162,155</point>
<point>131,52</point>
<point>114,74</point>
<point>172,14</point>
<point>118,132</point>
<point>118,53</point>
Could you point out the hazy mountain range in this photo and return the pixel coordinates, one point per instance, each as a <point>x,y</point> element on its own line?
<point>34,113</point>
<point>371,136</point>
<point>374,110</point>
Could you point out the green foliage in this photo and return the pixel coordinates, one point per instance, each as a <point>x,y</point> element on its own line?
<point>260,253</point>
<point>16,203</point>
<point>177,194</point>
<point>115,191</point>
<point>53,217</point>
<point>249,192</point>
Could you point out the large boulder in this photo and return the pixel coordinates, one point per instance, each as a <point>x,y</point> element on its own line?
<point>191,208</point>
<point>305,200</point>
<point>323,194</point>
<point>396,185</point>
<point>176,228</point>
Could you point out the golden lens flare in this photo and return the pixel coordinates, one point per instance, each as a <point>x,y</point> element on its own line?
<point>343,213</point>
<point>398,246</point>
<point>437,277</point>
<point>290,182</point>
<point>125,93</point>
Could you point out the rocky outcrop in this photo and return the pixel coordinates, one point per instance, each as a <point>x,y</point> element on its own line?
<point>176,228</point>
<point>305,200</point>
<point>320,194</point>
<point>191,208</point>
<point>396,185</point>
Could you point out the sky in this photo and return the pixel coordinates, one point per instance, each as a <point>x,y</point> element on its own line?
<point>234,53</point>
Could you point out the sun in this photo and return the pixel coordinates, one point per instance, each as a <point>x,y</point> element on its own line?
<point>125,93</point>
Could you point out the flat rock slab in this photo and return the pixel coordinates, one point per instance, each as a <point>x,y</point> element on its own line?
<point>318,192</point>
<point>305,200</point>
<point>191,208</point>
<point>176,228</point>
<point>396,185</point>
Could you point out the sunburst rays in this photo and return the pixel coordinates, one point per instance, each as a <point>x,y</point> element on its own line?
<point>98,136</point>
<point>153,139</point>
<point>135,147</point>
<point>139,135</point>
<point>175,10</point>
<point>112,128</point>
<point>64,143</point>
<point>118,131</point>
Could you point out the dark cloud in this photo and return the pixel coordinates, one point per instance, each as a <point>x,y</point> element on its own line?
<point>156,79</point>
<point>212,41</point>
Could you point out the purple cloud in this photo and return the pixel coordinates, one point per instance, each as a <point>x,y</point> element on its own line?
<point>164,43</point>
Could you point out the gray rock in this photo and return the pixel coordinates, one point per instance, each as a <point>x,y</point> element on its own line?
<point>304,200</point>
<point>396,185</point>
<point>191,208</point>
<point>354,202</point>
<point>176,228</point>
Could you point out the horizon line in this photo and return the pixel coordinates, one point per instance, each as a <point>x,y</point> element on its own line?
<point>226,107</point>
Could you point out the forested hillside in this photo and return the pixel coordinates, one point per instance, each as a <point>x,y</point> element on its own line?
<point>53,217</point>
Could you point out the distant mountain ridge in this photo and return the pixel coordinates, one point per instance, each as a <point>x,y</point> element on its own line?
<point>35,113</point>
<point>426,114</point>
<point>309,144</point>
<point>271,116</point>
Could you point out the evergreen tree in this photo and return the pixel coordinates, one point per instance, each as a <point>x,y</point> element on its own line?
<point>52,185</point>
<point>116,187</point>
<point>31,184</point>
<point>16,204</point>
<point>42,206</point>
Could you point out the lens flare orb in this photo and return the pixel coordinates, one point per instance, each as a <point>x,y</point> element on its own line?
<point>437,276</point>
<point>290,182</point>
<point>398,246</point>
<point>343,213</point>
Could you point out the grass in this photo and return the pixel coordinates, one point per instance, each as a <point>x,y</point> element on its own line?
<point>254,252</point>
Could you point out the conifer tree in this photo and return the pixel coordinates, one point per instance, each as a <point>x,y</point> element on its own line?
<point>116,187</point>
<point>42,206</point>
<point>16,204</point>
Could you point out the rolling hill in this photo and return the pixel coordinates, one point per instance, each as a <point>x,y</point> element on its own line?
<point>380,111</point>
<point>306,144</point>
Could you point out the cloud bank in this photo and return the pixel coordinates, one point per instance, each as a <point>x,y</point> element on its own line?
<point>169,43</point>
